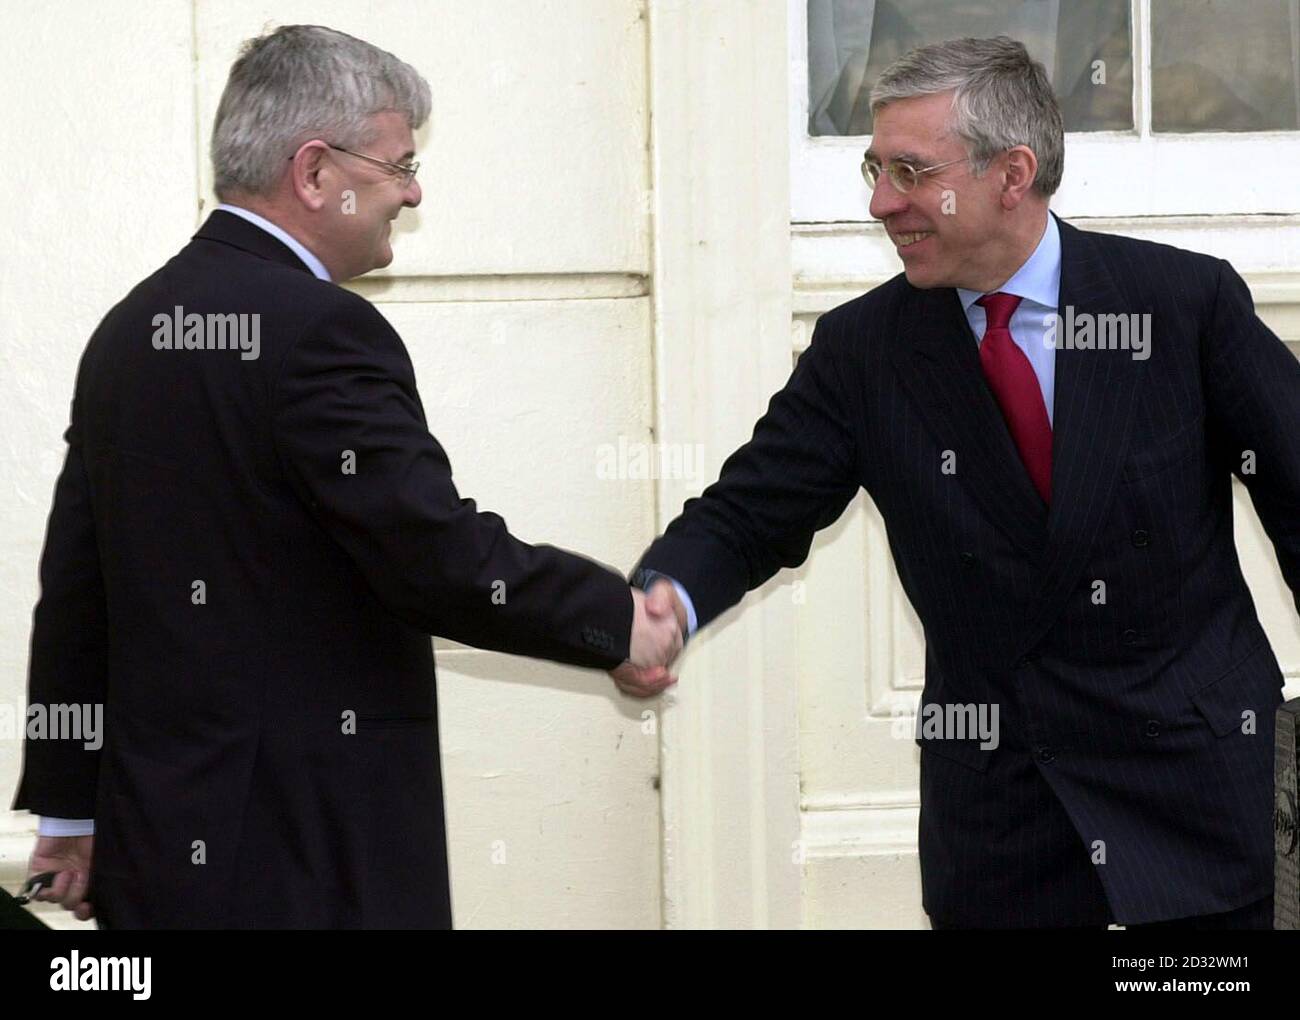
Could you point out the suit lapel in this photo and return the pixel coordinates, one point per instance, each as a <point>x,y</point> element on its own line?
<point>938,360</point>
<point>1094,397</point>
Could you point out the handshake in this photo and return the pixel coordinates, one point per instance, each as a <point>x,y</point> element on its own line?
<point>658,632</point>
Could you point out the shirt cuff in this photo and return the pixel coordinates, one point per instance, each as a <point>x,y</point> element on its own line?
<point>692,621</point>
<point>47,826</point>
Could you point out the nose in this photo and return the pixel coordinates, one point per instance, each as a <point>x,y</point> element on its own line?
<point>886,200</point>
<point>412,194</point>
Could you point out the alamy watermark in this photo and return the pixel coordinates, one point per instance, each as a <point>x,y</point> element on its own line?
<point>953,721</point>
<point>77,973</point>
<point>1089,332</point>
<point>637,460</point>
<point>212,332</point>
<point>54,722</point>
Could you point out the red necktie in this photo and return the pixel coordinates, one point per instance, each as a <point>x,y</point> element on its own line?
<point>1013,382</point>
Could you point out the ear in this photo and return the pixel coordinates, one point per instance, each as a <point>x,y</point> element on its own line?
<point>310,173</point>
<point>1018,177</point>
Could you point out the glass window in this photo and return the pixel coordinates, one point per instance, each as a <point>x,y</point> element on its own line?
<point>1085,45</point>
<point>1224,65</point>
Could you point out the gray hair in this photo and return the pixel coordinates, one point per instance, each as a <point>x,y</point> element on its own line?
<point>302,82</point>
<point>1003,99</point>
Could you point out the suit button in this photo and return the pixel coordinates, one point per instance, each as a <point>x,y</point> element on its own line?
<point>1046,755</point>
<point>1141,539</point>
<point>967,560</point>
<point>1153,727</point>
<point>1129,637</point>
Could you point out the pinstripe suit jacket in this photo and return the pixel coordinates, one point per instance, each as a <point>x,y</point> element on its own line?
<point>1135,742</point>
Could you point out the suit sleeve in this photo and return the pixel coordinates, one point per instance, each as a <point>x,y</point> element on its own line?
<point>1253,394</point>
<point>795,476</point>
<point>346,391</point>
<point>69,650</point>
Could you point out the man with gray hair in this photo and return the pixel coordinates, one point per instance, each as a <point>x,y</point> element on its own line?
<point>1057,494</point>
<point>247,555</point>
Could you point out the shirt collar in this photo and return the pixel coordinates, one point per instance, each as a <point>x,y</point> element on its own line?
<point>309,260</point>
<point>1038,280</point>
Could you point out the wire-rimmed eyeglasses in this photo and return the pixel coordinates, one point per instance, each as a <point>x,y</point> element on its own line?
<point>902,174</point>
<point>407,171</point>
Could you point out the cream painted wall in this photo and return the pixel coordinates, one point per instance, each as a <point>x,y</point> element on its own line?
<point>520,289</point>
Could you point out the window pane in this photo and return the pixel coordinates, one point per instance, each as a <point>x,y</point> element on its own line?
<point>1224,65</point>
<point>851,41</point>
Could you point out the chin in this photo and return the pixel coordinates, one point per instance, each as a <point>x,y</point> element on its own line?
<point>928,276</point>
<point>919,278</point>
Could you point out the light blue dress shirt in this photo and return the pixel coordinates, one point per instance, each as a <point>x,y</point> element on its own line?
<point>50,826</point>
<point>1038,284</point>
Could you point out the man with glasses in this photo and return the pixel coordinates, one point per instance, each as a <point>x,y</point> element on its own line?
<point>246,558</point>
<point>1059,510</point>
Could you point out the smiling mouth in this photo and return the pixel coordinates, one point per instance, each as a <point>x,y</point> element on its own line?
<point>907,240</point>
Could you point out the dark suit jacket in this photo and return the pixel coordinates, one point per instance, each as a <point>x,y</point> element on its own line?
<point>1131,711</point>
<point>226,719</point>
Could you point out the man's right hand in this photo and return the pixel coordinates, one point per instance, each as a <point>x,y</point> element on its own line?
<point>70,857</point>
<point>656,642</point>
